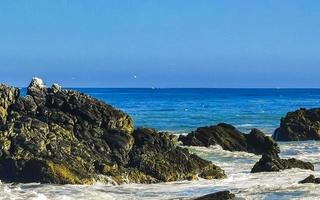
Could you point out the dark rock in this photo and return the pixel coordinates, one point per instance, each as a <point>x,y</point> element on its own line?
<point>259,143</point>
<point>157,154</point>
<point>269,163</point>
<point>229,138</point>
<point>223,195</point>
<point>299,125</point>
<point>310,179</point>
<point>53,135</point>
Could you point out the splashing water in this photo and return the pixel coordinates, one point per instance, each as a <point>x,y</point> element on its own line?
<point>271,185</point>
<point>182,110</point>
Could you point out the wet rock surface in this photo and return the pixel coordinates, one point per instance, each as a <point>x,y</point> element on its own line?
<point>231,139</point>
<point>270,163</point>
<point>158,154</point>
<point>223,195</point>
<point>310,179</point>
<point>53,135</point>
<point>299,125</point>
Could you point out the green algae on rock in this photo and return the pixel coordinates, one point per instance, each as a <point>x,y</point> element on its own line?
<point>158,155</point>
<point>53,135</point>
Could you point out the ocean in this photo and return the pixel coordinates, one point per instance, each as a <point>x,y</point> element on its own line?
<point>182,110</point>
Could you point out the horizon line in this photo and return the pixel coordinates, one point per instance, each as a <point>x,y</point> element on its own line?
<point>155,88</point>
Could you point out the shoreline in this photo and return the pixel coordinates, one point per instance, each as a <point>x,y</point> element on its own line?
<point>49,98</point>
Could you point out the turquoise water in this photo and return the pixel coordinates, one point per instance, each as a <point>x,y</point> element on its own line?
<point>182,110</point>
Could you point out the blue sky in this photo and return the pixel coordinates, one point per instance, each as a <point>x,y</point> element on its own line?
<point>161,43</point>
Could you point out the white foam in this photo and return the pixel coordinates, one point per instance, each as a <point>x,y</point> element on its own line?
<point>271,185</point>
<point>245,125</point>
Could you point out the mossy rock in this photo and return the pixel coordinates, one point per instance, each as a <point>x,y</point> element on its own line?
<point>212,172</point>
<point>50,172</point>
<point>3,114</point>
<point>157,155</point>
<point>59,136</point>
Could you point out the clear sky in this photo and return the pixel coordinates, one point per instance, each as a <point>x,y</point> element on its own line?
<point>161,43</point>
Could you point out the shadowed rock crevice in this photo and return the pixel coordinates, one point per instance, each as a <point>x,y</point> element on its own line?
<point>53,135</point>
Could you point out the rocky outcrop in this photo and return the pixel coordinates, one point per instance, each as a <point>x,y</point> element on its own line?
<point>271,163</point>
<point>8,96</point>
<point>229,138</point>
<point>53,135</point>
<point>299,125</point>
<point>310,179</point>
<point>158,155</point>
<point>224,195</point>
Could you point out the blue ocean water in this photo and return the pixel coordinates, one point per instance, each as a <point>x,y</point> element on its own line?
<point>183,110</point>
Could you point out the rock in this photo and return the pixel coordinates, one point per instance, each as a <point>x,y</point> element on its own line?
<point>299,125</point>
<point>157,154</point>
<point>55,88</point>
<point>59,136</point>
<point>223,195</point>
<point>37,90</point>
<point>269,163</point>
<point>8,96</point>
<point>310,179</point>
<point>229,138</point>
